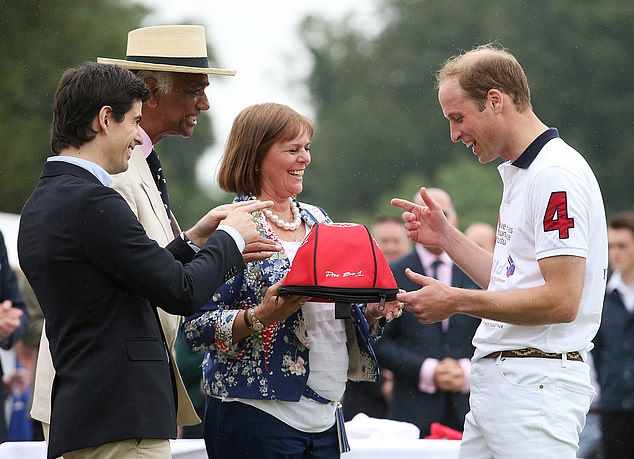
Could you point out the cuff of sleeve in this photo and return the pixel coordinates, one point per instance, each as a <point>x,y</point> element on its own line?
<point>465,364</point>
<point>238,345</point>
<point>191,245</point>
<point>221,339</point>
<point>426,377</point>
<point>235,235</point>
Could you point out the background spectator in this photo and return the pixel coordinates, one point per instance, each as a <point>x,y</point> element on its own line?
<point>27,347</point>
<point>372,398</point>
<point>614,343</point>
<point>430,362</point>
<point>482,234</point>
<point>13,323</point>
<point>391,236</point>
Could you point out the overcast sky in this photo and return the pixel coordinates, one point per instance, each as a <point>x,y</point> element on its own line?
<point>258,39</point>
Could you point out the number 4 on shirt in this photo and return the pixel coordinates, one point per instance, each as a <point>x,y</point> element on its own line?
<point>556,216</point>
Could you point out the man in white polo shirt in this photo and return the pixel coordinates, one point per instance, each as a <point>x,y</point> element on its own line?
<point>530,385</point>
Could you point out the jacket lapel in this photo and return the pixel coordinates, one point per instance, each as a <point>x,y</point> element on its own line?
<point>169,224</point>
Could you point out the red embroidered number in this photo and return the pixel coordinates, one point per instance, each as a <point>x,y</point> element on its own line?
<point>556,216</point>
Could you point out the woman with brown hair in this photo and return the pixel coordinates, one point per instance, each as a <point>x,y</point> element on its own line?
<point>276,367</point>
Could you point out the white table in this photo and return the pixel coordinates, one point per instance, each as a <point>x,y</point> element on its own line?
<point>361,449</point>
<point>402,449</point>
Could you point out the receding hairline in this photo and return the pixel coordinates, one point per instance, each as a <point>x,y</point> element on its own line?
<point>455,65</point>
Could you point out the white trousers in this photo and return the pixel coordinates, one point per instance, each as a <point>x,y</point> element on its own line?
<point>526,408</point>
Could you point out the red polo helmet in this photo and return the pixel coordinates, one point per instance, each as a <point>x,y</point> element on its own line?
<point>340,262</point>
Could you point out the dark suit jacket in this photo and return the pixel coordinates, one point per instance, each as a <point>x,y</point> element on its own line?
<point>406,343</point>
<point>613,355</point>
<point>96,274</point>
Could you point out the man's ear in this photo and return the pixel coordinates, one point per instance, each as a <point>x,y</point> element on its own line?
<point>104,118</point>
<point>152,86</point>
<point>495,100</point>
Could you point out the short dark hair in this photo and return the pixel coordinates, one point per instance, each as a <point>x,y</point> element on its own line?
<point>82,92</point>
<point>622,220</point>
<point>254,130</point>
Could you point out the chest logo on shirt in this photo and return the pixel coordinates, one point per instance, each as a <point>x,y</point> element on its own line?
<point>510,269</point>
<point>504,233</point>
<point>556,215</point>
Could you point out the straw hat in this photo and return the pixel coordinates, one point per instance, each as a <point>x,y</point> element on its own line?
<point>167,48</point>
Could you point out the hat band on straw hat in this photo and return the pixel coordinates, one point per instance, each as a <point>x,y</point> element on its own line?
<point>200,62</point>
<point>167,48</point>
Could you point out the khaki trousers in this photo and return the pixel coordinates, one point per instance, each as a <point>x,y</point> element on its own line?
<point>146,448</point>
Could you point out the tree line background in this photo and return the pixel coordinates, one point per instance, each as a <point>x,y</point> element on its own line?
<point>380,131</point>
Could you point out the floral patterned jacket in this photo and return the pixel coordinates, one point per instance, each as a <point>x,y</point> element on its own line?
<point>272,364</point>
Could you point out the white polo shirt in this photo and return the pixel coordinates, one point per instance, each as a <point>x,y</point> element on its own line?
<point>551,205</point>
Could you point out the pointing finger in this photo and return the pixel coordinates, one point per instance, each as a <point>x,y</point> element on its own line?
<point>403,204</point>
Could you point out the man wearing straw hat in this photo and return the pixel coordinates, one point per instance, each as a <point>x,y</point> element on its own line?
<point>172,60</point>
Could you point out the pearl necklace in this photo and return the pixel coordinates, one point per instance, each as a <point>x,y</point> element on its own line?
<point>297,219</point>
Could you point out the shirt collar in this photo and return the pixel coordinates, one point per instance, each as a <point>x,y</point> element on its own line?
<point>427,258</point>
<point>94,168</point>
<point>531,152</point>
<point>146,146</point>
<point>616,283</point>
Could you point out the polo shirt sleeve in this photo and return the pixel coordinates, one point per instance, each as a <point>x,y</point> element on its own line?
<point>560,204</point>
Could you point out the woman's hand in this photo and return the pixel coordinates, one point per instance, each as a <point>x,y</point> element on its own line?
<point>391,310</point>
<point>274,307</point>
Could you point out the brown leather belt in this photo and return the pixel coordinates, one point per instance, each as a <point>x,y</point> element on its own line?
<point>532,352</point>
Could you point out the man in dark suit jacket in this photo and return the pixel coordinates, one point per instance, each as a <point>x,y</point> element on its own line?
<point>97,274</point>
<point>372,398</point>
<point>430,362</point>
<point>614,351</point>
